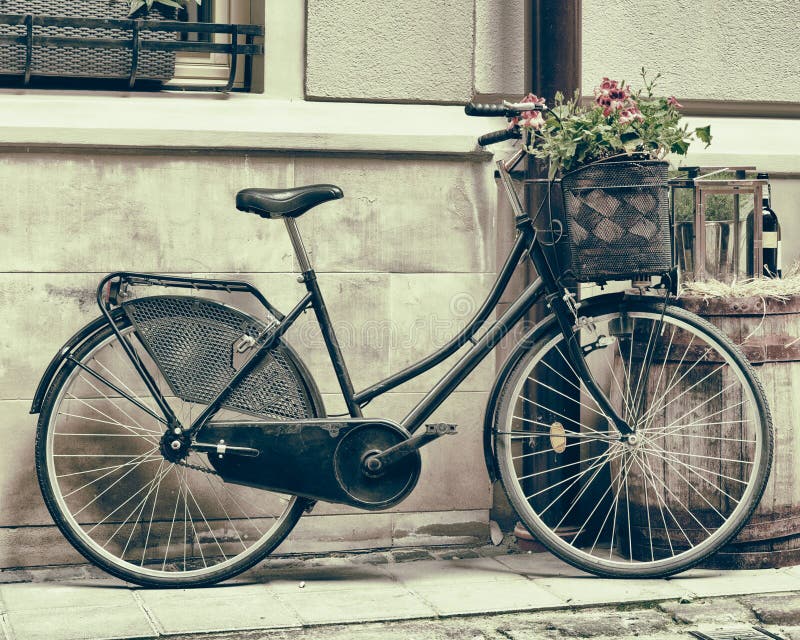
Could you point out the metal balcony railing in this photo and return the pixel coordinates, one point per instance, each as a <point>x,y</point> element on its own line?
<point>136,36</point>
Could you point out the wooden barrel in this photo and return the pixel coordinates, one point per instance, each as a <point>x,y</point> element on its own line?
<point>768,332</point>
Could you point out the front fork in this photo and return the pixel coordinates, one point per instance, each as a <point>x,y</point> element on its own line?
<point>561,306</point>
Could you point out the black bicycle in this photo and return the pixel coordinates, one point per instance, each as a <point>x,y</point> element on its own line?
<point>180,439</point>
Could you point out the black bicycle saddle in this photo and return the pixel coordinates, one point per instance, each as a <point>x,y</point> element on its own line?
<point>289,203</point>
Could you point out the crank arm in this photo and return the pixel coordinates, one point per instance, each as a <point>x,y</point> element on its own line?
<point>376,463</point>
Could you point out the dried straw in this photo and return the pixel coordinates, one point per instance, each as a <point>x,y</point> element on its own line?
<point>775,288</point>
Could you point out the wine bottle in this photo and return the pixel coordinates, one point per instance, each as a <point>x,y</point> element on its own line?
<point>771,234</point>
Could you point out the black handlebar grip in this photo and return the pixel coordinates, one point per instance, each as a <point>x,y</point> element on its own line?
<point>487,110</point>
<point>498,136</point>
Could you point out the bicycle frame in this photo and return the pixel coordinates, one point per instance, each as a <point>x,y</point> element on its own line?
<point>559,300</point>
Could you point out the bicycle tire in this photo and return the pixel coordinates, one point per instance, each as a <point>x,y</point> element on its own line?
<point>664,460</point>
<point>56,489</point>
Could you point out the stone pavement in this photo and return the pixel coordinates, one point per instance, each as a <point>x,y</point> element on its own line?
<point>434,594</point>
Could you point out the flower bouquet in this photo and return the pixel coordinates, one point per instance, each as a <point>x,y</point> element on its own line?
<point>618,123</point>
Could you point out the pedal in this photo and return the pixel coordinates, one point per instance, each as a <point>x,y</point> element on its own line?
<point>441,428</point>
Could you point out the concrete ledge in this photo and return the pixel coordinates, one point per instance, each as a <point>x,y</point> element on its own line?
<point>241,122</point>
<point>771,144</point>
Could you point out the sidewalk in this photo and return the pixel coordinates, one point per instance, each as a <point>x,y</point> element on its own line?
<point>401,585</point>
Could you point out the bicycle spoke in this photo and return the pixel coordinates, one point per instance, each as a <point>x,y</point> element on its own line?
<point>152,514</point>
<point>140,506</point>
<point>172,524</point>
<point>105,475</point>
<point>558,468</point>
<point>115,423</point>
<point>648,418</point>
<point>653,477</point>
<point>659,503</point>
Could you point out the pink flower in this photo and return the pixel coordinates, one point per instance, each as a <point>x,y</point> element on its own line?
<point>672,101</point>
<point>531,120</point>
<point>611,96</point>
<point>607,85</point>
<point>619,94</point>
<point>533,98</point>
<point>630,114</point>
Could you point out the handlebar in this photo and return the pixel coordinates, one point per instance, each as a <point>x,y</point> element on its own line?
<point>487,110</point>
<point>499,136</point>
<point>505,109</point>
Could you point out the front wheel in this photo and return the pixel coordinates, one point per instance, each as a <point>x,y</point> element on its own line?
<point>123,500</point>
<point>663,500</point>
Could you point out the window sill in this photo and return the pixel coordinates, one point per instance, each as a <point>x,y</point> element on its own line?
<point>236,122</point>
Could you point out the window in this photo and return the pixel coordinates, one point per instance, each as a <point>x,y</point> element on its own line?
<point>211,68</point>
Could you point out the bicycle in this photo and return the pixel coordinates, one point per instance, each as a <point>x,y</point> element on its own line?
<point>180,439</point>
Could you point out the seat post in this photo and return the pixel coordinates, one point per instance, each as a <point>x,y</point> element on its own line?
<point>297,244</point>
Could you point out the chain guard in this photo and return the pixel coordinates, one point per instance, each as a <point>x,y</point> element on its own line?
<point>320,459</point>
<point>389,488</point>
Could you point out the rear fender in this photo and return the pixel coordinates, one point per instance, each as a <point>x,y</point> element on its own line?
<point>69,347</point>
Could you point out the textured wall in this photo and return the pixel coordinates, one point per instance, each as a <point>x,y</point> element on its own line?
<point>414,50</point>
<point>401,50</point>
<point>705,49</point>
<point>500,46</point>
<point>393,292</point>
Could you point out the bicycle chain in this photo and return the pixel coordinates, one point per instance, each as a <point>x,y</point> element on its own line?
<point>197,468</point>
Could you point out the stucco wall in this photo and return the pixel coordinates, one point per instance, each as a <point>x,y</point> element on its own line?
<point>705,49</point>
<point>413,50</point>
<point>402,259</point>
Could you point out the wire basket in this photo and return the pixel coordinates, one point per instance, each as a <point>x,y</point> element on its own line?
<point>616,219</point>
<point>84,62</point>
<point>193,342</point>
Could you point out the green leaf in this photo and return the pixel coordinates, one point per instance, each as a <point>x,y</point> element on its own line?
<point>704,134</point>
<point>136,5</point>
<point>680,147</point>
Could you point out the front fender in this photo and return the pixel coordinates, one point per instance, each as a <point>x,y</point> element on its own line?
<point>519,350</point>
<point>69,347</point>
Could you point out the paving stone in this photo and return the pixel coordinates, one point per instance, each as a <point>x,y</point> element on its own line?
<point>707,611</point>
<point>355,605</point>
<point>79,623</point>
<point>238,607</point>
<point>487,597</point>
<point>591,590</point>
<point>707,583</point>
<point>776,609</point>
<point>449,572</point>
<point>32,597</point>
<point>543,564</point>
<point>350,577</point>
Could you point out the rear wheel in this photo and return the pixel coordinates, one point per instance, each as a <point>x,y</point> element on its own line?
<point>663,500</point>
<point>122,500</point>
